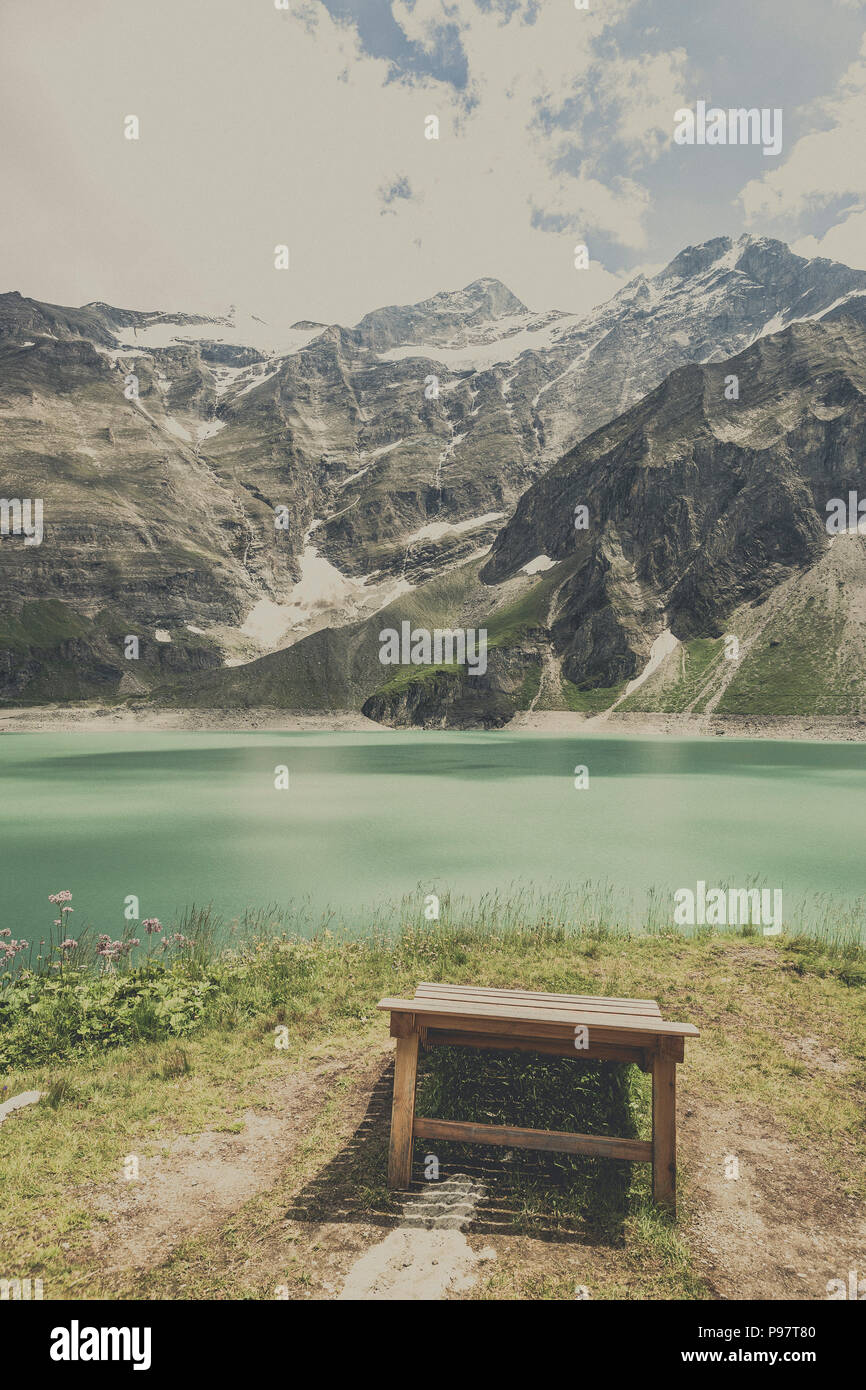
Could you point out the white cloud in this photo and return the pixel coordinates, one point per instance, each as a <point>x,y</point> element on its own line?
<point>617,208</point>
<point>823,167</point>
<point>638,97</point>
<point>501,148</point>
<point>845,242</point>
<point>264,127</point>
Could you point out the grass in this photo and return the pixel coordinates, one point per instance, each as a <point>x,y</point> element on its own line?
<point>405,677</point>
<point>530,685</point>
<point>42,623</point>
<point>796,668</point>
<point>589,701</point>
<point>696,658</point>
<point>511,624</point>
<point>801,663</point>
<point>139,1095</point>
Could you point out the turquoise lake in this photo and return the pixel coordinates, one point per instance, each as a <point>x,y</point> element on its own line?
<point>195,818</point>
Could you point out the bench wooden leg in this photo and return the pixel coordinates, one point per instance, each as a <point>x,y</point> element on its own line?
<point>664,1070</point>
<point>403,1112</point>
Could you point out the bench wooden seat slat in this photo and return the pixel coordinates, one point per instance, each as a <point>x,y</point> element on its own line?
<point>625,1030</point>
<point>567,1017</point>
<point>546,1011</point>
<point>543,1009</point>
<point>595,1003</point>
<point>426,987</point>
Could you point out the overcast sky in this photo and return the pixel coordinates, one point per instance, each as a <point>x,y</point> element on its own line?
<point>307,127</point>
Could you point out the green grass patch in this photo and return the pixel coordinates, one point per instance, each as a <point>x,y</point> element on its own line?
<point>696,659</point>
<point>794,668</point>
<point>510,625</point>
<point>407,676</point>
<point>590,700</point>
<point>530,685</point>
<point>44,623</point>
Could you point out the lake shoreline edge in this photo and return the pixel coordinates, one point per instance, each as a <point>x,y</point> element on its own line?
<point>94,717</point>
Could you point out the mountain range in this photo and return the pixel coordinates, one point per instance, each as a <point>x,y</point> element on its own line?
<point>255,505</point>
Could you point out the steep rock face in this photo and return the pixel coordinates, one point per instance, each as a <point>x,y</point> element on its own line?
<point>383,439</point>
<point>707,304</point>
<point>696,503</point>
<point>396,448</point>
<point>801,650</point>
<point>48,652</point>
<point>22,317</point>
<point>127,510</point>
<point>442,699</point>
<point>132,521</point>
<point>702,511</point>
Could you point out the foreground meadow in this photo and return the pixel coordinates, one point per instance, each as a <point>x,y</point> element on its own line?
<point>214,1119</point>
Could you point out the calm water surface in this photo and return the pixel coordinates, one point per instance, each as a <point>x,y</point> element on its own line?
<point>183,818</point>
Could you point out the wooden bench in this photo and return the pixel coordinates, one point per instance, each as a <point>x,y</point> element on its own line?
<point>566,1025</point>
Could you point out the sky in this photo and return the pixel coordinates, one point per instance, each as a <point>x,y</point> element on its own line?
<point>265,123</point>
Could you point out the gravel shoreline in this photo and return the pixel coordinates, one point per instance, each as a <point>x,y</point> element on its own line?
<point>810,728</point>
<point>93,718</point>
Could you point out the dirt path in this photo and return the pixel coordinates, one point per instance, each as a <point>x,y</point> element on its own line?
<point>427,1256</point>
<point>201,1180</point>
<point>781,1229</point>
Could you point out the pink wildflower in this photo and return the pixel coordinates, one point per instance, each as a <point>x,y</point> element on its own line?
<point>11,949</point>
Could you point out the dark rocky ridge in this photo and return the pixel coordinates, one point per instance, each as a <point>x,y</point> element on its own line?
<point>696,503</point>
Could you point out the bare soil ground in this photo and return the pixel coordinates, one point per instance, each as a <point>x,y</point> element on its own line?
<point>195,1183</point>
<point>777,1225</point>
<point>810,728</point>
<point>782,1227</point>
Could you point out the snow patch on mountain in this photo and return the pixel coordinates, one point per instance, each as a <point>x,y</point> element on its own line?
<point>434,530</point>
<point>235,329</point>
<point>481,355</point>
<point>662,647</point>
<point>177,429</point>
<point>322,597</point>
<point>207,429</point>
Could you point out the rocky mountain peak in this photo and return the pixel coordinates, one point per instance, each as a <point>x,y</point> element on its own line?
<point>692,260</point>
<point>450,318</point>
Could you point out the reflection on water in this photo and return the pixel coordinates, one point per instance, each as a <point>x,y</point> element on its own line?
<point>181,818</point>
